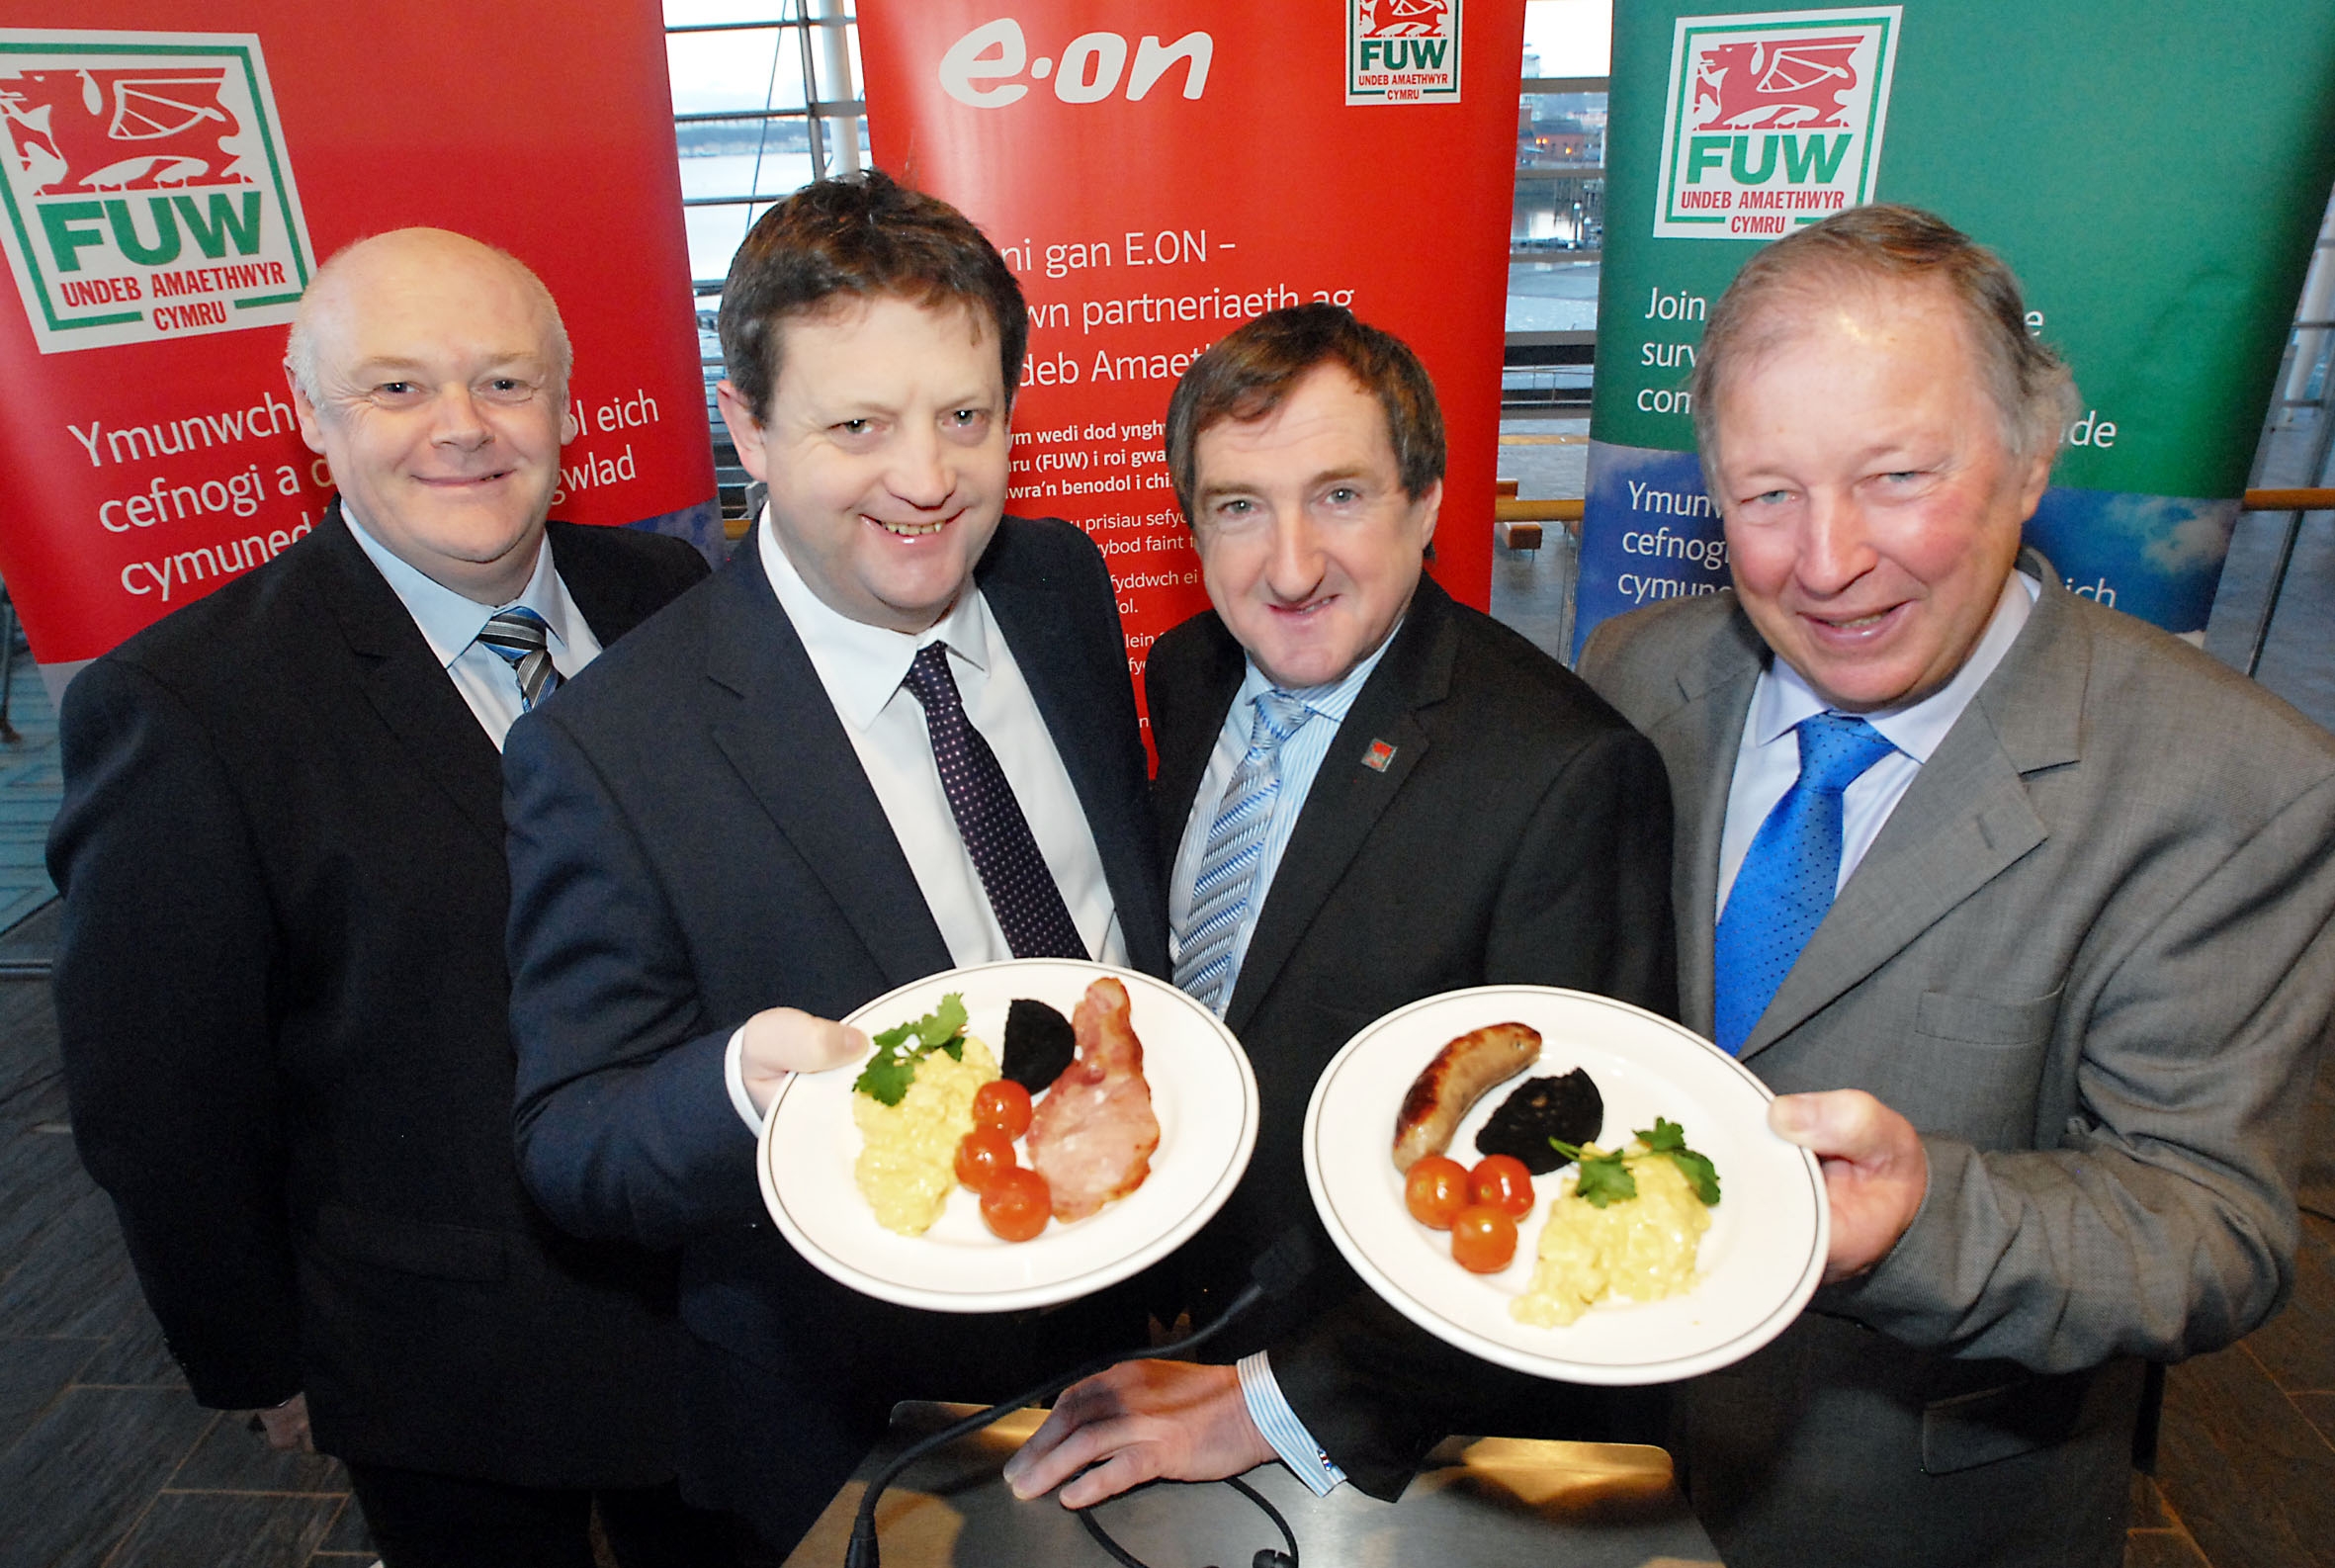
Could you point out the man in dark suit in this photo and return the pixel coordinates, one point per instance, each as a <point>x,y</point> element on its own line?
<point>741,832</point>
<point>1368,794</point>
<point>281,983</point>
<point>2023,904</point>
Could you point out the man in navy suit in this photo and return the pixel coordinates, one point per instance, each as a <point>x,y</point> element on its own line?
<point>280,990</point>
<point>740,831</point>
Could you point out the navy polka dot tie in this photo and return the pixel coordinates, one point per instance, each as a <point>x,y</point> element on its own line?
<point>1022,893</point>
<point>522,638</point>
<point>1790,876</point>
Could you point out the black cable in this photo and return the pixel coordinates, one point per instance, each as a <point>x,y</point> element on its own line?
<point>1287,1262</point>
<point>1267,1558</point>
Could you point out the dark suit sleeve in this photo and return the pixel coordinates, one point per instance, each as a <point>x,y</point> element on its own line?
<point>1586,906</point>
<point>624,1121</point>
<point>162,985</point>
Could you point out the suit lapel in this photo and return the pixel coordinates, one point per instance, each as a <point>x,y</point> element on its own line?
<point>401,680</point>
<point>1028,613</point>
<point>782,736</point>
<point>1965,819</point>
<point>1184,763</point>
<point>1699,739</point>
<point>1347,798</point>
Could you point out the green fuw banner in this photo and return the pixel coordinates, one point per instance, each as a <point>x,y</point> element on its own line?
<point>2154,170</point>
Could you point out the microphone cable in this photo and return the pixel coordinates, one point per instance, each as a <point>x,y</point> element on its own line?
<point>1265,1556</point>
<point>1274,1274</point>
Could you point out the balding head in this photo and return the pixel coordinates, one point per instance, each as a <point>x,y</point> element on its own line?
<point>364,266</point>
<point>431,372</point>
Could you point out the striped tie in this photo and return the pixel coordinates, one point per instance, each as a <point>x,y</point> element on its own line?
<point>520,636</point>
<point>1221,892</point>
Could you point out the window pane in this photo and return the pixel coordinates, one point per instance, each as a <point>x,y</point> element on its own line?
<point>758,69</point>
<point>688,13</point>
<point>1568,38</point>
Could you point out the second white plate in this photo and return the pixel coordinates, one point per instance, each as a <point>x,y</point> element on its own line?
<point>1760,1260</point>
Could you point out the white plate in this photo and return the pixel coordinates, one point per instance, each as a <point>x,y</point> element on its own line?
<point>1760,1260</point>
<point>1202,1092</point>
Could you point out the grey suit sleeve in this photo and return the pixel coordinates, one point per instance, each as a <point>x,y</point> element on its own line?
<point>2165,1225</point>
<point>624,1124</point>
<point>163,978</point>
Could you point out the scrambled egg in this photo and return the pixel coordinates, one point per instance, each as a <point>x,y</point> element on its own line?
<point>908,1159</point>
<point>1641,1247</point>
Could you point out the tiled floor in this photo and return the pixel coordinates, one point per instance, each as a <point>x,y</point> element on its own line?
<point>104,1458</point>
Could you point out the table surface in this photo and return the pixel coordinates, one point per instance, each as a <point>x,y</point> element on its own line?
<point>1488,1501</point>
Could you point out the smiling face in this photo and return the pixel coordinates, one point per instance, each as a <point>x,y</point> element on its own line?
<point>438,400</point>
<point>1872,507</point>
<point>1310,547</point>
<point>885,451</point>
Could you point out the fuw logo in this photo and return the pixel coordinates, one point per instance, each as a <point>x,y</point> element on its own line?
<point>1773,120</point>
<point>147,191</point>
<point>1402,52</point>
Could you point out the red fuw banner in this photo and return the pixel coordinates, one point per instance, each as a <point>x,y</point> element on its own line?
<point>1159,173</point>
<point>173,172</point>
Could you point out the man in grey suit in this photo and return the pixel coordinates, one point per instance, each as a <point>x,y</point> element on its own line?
<point>2022,906</point>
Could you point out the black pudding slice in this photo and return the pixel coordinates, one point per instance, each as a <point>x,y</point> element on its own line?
<point>1567,1108</point>
<point>1038,1044</point>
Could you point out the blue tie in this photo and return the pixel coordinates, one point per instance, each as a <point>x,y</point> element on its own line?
<point>1789,878</point>
<point>1227,876</point>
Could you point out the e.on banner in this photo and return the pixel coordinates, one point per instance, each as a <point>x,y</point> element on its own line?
<point>1158,174</point>
<point>171,175</point>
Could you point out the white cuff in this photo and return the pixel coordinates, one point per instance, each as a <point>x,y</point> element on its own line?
<point>1281,1428</point>
<point>733,1073</point>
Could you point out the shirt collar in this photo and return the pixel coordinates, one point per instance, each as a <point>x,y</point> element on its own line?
<point>1329,702</point>
<point>1784,698</point>
<point>449,621</point>
<point>863,666</point>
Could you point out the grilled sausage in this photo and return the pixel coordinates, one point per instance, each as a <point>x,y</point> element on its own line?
<point>1461,1073</point>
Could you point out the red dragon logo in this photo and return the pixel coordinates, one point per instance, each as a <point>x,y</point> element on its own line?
<point>1797,85</point>
<point>141,129</point>
<point>1405,19</point>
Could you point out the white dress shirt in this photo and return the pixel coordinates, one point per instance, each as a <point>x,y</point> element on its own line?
<point>1768,762</point>
<point>1299,762</point>
<point>863,669</point>
<point>451,625</point>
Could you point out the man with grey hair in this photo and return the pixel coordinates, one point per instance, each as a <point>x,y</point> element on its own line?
<point>280,987</point>
<point>2022,906</point>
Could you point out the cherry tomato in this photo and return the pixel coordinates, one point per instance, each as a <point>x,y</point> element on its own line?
<point>1483,1239</point>
<point>1005,1103</point>
<point>1502,1180</point>
<point>1435,1190</point>
<point>1016,1205</point>
<point>982,1155</point>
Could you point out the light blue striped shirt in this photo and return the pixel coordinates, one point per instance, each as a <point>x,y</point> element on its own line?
<point>451,623</point>
<point>1301,758</point>
<point>1300,761</point>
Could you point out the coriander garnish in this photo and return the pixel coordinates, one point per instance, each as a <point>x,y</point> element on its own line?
<point>893,1068</point>
<point>1605,1177</point>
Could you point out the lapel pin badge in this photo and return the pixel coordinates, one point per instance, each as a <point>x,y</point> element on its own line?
<point>1378,756</point>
